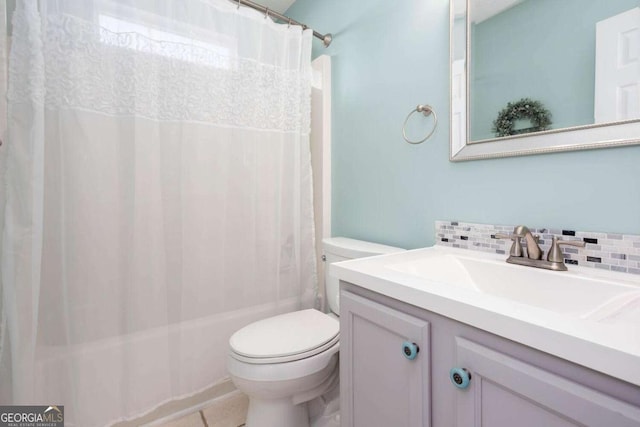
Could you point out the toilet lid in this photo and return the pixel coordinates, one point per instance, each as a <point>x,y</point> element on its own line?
<point>285,336</point>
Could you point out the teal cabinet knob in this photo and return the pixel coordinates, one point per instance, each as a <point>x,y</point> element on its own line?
<point>410,350</point>
<point>460,377</point>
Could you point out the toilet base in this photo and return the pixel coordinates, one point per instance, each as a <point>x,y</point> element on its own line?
<point>324,411</point>
<point>276,413</point>
<point>279,392</point>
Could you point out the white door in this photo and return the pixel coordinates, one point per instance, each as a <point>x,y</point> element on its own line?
<point>458,105</point>
<point>617,94</point>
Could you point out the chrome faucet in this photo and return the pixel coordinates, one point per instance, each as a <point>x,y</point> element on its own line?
<point>555,257</point>
<point>533,250</point>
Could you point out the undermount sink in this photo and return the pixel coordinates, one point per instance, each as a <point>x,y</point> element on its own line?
<point>581,296</point>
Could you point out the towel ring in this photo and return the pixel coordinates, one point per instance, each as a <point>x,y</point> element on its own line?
<point>426,110</point>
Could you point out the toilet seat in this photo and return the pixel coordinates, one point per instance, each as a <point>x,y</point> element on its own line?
<point>284,359</point>
<point>285,338</point>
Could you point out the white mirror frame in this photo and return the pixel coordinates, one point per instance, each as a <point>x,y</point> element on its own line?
<point>587,137</point>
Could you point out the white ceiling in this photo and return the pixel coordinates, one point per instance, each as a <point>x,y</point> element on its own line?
<point>279,6</point>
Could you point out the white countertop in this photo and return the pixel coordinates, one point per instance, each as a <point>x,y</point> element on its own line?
<point>612,348</point>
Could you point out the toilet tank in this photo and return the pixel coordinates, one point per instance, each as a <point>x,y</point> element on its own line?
<point>338,249</point>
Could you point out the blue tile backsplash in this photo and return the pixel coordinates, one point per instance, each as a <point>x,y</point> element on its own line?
<point>615,252</point>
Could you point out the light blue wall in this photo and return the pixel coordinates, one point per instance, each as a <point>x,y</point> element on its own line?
<point>540,49</point>
<point>389,56</point>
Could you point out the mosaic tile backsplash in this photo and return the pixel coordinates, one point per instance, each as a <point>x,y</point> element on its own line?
<point>615,252</point>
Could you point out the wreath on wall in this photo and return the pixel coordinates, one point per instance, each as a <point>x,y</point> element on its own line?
<point>526,108</point>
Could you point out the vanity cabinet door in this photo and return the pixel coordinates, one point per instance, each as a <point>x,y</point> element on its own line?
<point>505,392</point>
<point>382,384</point>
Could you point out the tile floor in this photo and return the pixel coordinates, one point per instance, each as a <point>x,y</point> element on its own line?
<point>228,411</point>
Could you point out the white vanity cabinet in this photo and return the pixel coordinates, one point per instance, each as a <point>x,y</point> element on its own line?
<point>505,391</point>
<point>386,355</point>
<point>510,384</point>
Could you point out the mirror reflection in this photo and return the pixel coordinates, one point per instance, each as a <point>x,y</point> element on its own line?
<point>539,65</point>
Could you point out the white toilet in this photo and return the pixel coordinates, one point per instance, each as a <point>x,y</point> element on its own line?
<point>285,361</point>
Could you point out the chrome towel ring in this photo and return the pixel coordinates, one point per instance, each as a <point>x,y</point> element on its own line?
<point>426,110</point>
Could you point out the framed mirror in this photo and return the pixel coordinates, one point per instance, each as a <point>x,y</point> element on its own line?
<point>542,76</point>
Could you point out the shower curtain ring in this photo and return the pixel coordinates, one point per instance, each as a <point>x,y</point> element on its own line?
<point>266,13</point>
<point>289,23</point>
<point>238,4</point>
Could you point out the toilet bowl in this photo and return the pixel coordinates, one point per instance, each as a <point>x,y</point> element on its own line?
<point>282,375</point>
<point>284,362</point>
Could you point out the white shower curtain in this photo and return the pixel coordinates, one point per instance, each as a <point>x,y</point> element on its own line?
<point>158,197</point>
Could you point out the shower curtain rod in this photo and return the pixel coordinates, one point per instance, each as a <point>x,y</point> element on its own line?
<point>326,38</point>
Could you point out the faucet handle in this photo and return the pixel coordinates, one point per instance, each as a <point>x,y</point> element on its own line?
<point>516,247</point>
<point>555,253</point>
<point>505,236</point>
